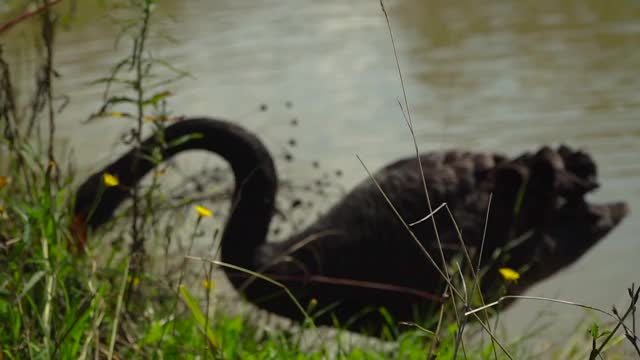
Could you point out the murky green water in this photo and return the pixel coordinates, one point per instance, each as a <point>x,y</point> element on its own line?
<point>497,75</point>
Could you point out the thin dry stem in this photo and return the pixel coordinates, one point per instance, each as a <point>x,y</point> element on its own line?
<point>260,276</point>
<point>27,15</point>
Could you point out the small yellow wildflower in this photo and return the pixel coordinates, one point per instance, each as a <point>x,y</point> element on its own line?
<point>203,211</point>
<point>312,304</point>
<point>110,180</point>
<point>208,284</point>
<point>116,114</point>
<point>133,279</point>
<point>157,118</point>
<point>1,209</point>
<point>4,180</point>
<point>509,274</point>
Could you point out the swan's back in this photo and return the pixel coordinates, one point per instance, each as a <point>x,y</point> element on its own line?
<point>361,238</point>
<point>373,242</point>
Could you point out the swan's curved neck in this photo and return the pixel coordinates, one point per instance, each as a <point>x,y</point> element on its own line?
<point>253,169</point>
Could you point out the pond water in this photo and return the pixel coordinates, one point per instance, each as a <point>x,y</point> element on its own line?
<point>484,75</point>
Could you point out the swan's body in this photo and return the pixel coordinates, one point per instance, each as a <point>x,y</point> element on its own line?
<point>360,241</point>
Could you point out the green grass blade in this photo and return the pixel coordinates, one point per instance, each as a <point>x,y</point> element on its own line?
<point>197,314</point>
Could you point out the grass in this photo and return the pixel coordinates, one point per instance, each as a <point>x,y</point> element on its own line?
<point>119,303</point>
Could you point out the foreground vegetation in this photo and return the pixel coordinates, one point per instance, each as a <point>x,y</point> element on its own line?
<point>117,301</point>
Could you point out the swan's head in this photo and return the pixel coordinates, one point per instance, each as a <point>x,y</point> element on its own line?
<point>78,231</point>
<point>94,205</point>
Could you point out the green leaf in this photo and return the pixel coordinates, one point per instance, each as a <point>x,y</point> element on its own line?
<point>31,283</point>
<point>120,99</point>
<point>604,333</point>
<point>613,342</point>
<point>184,139</point>
<point>155,333</point>
<point>197,314</point>
<point>157,97</point>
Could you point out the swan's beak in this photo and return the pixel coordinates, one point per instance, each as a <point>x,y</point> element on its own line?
<point>78,230</point>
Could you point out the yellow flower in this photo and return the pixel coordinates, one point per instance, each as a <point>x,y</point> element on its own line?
<point>1,209</point>
<point>203,211</point>
<point>133,279</point>
<point>116,114</point>
<point>208,284</point>
<point>509,274</point>
<point>4,180</point>
<point>312,304</point>
<point>110,180</point>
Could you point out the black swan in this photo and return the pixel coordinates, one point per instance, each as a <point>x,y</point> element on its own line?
<point>359,254</point>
